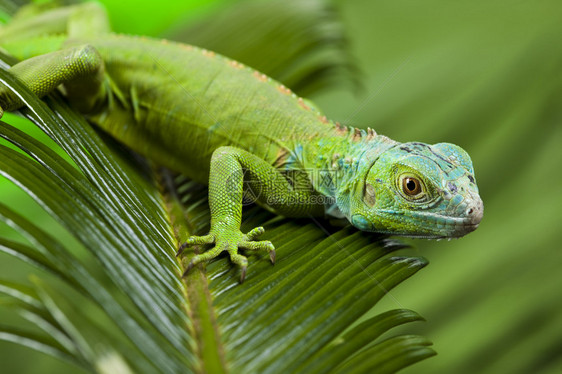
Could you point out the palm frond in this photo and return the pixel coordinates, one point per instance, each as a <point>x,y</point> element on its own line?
<point>102,224</point>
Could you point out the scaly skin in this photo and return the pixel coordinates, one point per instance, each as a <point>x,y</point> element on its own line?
<point>218,121</point>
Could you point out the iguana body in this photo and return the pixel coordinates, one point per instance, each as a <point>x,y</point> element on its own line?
<point>223,123</point>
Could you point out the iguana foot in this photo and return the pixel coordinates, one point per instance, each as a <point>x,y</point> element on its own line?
<point>228,241</point>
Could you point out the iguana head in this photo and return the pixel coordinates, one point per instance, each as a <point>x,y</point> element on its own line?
<point>417,190</point>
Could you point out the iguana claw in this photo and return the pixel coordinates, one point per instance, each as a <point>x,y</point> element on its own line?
<point>181,248</point>
<point>243,274</point>
<point>189,267</point>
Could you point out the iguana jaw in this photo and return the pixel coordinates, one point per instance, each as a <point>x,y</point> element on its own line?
<point>449,227</point>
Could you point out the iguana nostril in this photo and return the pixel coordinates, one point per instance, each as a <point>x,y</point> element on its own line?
<point>476,211</point>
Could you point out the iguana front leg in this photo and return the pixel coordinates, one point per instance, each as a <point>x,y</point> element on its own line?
<point>80,69</point>
<point>230,167</point>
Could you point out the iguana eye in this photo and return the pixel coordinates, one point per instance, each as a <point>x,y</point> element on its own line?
<point>411,186</point>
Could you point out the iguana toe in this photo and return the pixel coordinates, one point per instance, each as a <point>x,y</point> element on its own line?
<point>264,245</point>
<point>195,240</point>
<point>254,233</point>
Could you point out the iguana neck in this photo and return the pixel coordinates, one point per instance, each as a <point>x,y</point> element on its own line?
<point>337,164</point>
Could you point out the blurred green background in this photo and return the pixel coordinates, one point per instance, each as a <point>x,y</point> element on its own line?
<point>485,75</point>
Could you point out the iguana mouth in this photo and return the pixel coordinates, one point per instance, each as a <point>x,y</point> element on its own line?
<point>438,226</point>
<point>460,231</point>
<point>465,229</point>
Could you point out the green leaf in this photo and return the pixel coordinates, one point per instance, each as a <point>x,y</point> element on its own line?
<point>101,233</point>
<point>25,253</point>
<point>357,339</point>
<point>36,342</point>
<point>389,356</point>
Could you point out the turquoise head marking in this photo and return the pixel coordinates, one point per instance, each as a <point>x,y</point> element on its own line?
<point>417,190</point>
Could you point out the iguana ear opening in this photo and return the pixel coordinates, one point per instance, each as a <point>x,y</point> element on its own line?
<point>455,154</point>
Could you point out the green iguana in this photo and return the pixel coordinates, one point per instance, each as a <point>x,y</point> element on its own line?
<point>221,122</point>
